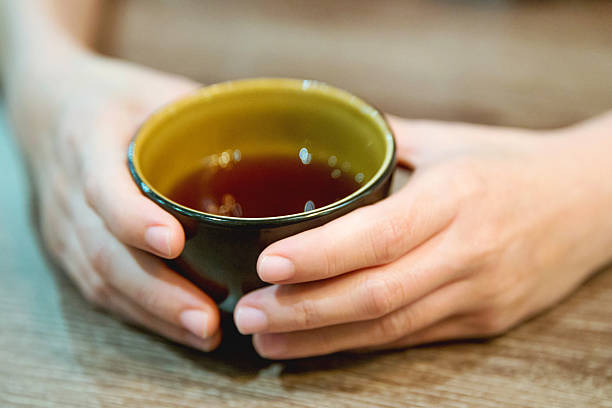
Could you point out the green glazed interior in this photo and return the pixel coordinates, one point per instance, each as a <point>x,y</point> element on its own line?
<point>260,117</point>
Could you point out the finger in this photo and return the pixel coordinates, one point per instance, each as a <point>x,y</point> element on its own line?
<point>108,186</point>
<point>134,314</point>
<point>60,237</point>
<point>146,280</point>
<point>370,236</point>
<point>109,189</point>
<point>421,142</point>
<point>60,240</point>
<point>431,309</point>
<point>359,296</point>
<point>453,328</point>
<point>108,298</point>
<point>51,221</point>
<point>133,218</point>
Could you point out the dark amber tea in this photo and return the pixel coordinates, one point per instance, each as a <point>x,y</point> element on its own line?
<point>270,186</point>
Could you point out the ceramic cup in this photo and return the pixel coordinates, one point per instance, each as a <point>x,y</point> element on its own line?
<point>256,117</point>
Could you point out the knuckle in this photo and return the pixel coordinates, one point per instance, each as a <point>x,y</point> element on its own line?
<point>98,293</point>
<point>496,292</point>
<point>69,130</point>
<point>495,299</point>
<point>70,141</point>
<point>393,326</point>
<point>492,323</point>
<point>386,239</point>
<point>67,133</point>
<point>326,342</point>
<point>486,245</point>
<point>56,246</point>
<point>59,190</point>
<point>91,189</point>
<point>148,299</point>
<point>101,260</point>
<point>306,314</point>
<point>57,249</point>
<point>492,303</point>
<point>381,297</point>
<point>332,262</point>
<point>54,241</point>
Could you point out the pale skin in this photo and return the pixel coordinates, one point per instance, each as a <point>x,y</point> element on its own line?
<point>495,225</point>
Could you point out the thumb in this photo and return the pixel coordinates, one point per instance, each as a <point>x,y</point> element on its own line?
<point>423,142</point>
<point>162,89</point>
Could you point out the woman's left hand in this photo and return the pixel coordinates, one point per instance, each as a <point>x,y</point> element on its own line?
<point>494,226</point>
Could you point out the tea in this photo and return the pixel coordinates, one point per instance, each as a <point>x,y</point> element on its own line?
<point>271,186</point>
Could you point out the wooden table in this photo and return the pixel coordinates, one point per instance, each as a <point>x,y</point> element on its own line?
<point>57,351</point>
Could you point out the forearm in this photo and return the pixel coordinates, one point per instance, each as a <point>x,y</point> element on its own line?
<point>587,172</point>
<point>38,35</point>
<point>44,46</point>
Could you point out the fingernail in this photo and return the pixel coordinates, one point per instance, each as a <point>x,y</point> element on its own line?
<point>198,342</point>
<point>275,268</point>
<point>250,320</point>
<point>195,321</point>
<point>158,238</point>
<point>270,345</point>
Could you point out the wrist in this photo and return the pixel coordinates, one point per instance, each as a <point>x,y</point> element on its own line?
<point>585,171</point>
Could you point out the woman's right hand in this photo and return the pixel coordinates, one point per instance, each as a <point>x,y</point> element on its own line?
<point>75,125</point>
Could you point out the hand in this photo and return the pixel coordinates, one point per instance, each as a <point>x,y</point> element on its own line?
<point>76,127</point>
<point>494,226</point>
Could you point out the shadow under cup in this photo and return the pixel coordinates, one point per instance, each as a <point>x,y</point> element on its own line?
<point>256,118</point>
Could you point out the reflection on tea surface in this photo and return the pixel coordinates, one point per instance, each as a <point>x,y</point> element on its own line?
<point>233,185</point>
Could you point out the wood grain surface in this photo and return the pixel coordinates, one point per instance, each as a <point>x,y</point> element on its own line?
<point>58,351</point>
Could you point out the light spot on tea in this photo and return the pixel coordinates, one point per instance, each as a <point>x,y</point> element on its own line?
<point>359,177</point>
<point>237,155</point>
<point>229,207</point>
<point>346,167</point>
<point>309,206</point>
<point>224,159</point>
<point>211,161</point>
<point>237,210</point>
<point>305,156</point>
<point>332,161</point>
<point>251,188</point>
<point>209,206</point>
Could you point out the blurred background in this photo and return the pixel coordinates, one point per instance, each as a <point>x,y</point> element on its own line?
<point>539,64</point>
<point>543,63</point>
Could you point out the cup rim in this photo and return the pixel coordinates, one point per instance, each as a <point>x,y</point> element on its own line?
<point>307,85</point>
